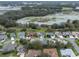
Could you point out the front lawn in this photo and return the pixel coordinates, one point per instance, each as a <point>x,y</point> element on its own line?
<point>8,54</point>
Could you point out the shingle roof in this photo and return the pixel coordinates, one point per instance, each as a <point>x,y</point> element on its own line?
<point>21,35</point>
<point>20,49</point>
<point>52,52</point>
<point>12,35</point>
<point>67,52</point>
<point>2,37</point>
<point>9,47</point>
<point>33,53</point>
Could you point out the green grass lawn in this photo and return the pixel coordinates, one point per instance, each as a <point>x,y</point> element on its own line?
<point>8,54</point>
<point>40,30</point>
<point>36,30</point>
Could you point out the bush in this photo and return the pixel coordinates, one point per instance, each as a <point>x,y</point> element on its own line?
<point>36,45</point>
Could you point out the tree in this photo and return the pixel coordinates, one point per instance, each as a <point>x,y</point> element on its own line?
<point>55,26</point>
<point>23,42</point>
<point>36,45</point>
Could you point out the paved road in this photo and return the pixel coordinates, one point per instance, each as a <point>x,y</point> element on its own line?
<point>72,41</point>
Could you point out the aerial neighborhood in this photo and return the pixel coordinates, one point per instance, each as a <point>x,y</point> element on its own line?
<point>39,29</point>
<point>36,44</point>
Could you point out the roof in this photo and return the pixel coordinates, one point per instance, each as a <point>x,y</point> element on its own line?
<point>33,53</point>
<point>9,47</point>
<point>52,52</point>
<point>66,33</point>
<point>2,36</point>
<point>20,49</point>
<point>43,42</point>
<point>67,52</point>
<point>58,33</point>
<point>2,32</point>
<point>21,35</point>
<point>50,33</point>
<point>12,35</point>
<point>40,33</point>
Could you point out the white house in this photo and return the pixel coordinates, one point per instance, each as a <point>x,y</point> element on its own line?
<point>67,53</point>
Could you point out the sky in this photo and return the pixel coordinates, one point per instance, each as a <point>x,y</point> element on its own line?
<point>39,0</point>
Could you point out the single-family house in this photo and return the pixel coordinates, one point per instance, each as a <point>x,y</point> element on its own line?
<point>31,34</point>
<point>3,36</point>
<point>49,34</point>
<point>21,35</point>
<point>51,51</point>
<point>28,38</point>
<point>20,50</point>
<point>65,42</point>
<point>58,34</point>
<point>66,34</point>
<point>43,42</point>
<point>13,35</point>
<point>9,47</point>
<point>41,34</point>
<point>52,37</point>
<point>33,53</point>
<point>67,53</point>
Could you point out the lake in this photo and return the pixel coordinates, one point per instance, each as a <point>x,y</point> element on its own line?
<point>50,19</point>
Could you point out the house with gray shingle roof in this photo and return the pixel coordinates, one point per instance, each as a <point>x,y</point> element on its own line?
<point>8,47</point>
<point>3,36</point>
<point>50,34</point>
<point>21,35</point>
<point>13,35</point>
<point>67,53</point>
